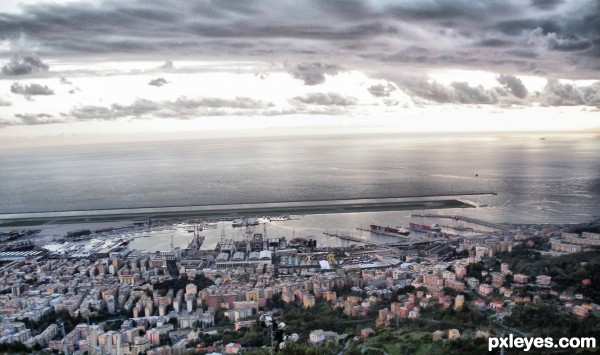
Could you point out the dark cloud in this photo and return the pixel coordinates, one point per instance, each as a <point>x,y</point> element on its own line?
<point>448,12</point>
<point>346,9</point>
<point>381,90</point>
<point>30,90</point>
<point>411,54</point>
<point>487,35</point>
<point>514,85</point>
<point>555,42</point>
<point>23,65</point>
<point>522,53</point>
<point>546,4</point>
<point>314,73</point>
<point>494,42</point>
<point>36,119</point>
<point>519,26</point>
<point>556,93</point>
<point>158,82</point>
<point>183,107</point>
<point>326,99</point>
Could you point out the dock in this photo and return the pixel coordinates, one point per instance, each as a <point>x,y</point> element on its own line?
<point>349,237</point>
<point>463,229</point>
<point>384,234</point>
<point>497,226</point>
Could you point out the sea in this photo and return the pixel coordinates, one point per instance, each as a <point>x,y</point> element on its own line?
<point>534,178</point>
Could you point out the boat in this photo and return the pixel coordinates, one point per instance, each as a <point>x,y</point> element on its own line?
<point>394,232</point>
<point>252,222</point>
<point>262,220</point>
<point>279,218</point>
<point>424,228</point>
<point>237,223</point>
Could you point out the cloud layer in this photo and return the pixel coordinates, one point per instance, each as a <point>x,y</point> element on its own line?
<point>514,35</point>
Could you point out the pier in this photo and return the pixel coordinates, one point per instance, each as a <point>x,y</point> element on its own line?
<point>384,234</point>
<point>348,237</point>
<point>497,226</point>
<point>463,229</point>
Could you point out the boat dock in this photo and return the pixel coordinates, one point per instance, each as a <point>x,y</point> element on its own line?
<point>497,226</point>
<point>348,237</point>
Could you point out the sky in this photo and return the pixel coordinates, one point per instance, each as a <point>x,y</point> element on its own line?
<point>104,69</point>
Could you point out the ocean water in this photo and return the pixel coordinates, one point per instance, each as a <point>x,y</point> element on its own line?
<point>536,181</point>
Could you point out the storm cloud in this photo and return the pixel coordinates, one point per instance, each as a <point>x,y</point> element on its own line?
<point>477,35</point>
<point>405,53</point>
<point>555,42</point>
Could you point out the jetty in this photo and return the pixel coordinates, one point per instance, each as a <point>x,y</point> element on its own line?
<point>349,237</point>
<point>476,221</point>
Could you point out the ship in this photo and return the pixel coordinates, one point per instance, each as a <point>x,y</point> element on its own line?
<point>237,223</point>
<point>424,228</point>
<point>279,218</point>
<point>394,232</point>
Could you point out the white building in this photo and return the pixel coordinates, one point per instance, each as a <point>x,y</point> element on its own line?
<point>316,336</point>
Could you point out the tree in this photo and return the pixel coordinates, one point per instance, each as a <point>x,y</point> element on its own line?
<point>220,318</point>
<point>474,270</point>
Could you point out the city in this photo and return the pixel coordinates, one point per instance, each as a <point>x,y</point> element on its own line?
<point>436,291</point>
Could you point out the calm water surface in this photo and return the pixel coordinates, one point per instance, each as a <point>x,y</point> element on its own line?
<point>552,180</point>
